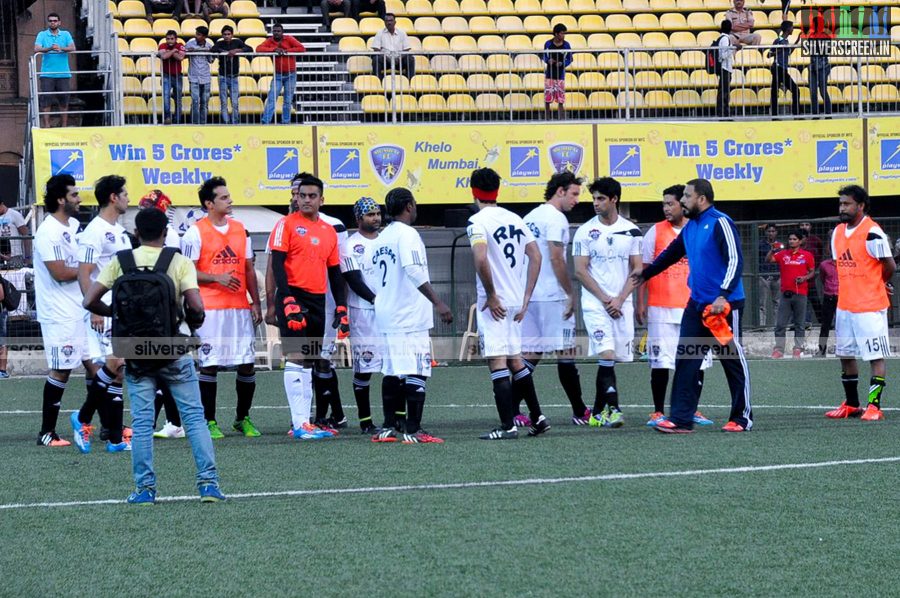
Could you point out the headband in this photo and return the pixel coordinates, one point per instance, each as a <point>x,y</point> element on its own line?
<point>486,196</point>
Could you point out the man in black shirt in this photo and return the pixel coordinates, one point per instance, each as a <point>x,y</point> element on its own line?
<point>780,75</point>
<point>229,70</point>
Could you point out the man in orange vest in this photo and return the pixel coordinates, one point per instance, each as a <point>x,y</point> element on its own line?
<point>661,304</point>
<point>862,254</point>
<point>220,248</point>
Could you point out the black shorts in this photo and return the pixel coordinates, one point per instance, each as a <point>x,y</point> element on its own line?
<point>55,84</point>
<point>307,342</point>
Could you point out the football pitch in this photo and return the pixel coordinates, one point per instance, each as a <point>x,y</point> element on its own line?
<point>799,506</point>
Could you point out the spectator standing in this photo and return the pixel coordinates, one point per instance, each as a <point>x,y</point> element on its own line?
<point>769,279</point>
<point>819,69</point>
<point>742,23</point>
<point>726,67</point>
<point>199,75</point>
<point>555,74</point>
<point>780,75</point>
<point>173,7</point>
<point>797,268</point>
<point>376,6</point>
<point>229,72</point>
<point>284,47</point>
<point>171,52</point>
<point>828,274</point>
<point>813,244</point>
<point>12,224</point>
<point>394,44</point>
<point>327,6</point>
<point>55,79</point>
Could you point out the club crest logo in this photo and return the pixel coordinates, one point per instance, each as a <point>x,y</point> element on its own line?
<point>594,234</point>
<point>67,237</point>
<point>566,157</point>
<point>67,350</point>
<point>359,249</point>
<point>367,356</point>
<point>301,230</point>
<point>205,348</point>
<point>387,162</point>
<point>598,335</point>
<point>110,237</point>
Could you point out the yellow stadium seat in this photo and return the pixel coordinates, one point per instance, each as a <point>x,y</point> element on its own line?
<point>717,4</point>
<point>591,81</point>
<point>215,27</point>
<point>135,27</point>
<point>501,7</point>
<point>250,28</point>
<point>577,41</point>
<point>135,106</point>
<point>129,9</point>
<point>463,43</point>
<point>706,38</point>
<point>264,84</point>
<point>452,83</point>
<point>586,7</point>
<point>446,7</point>
<point>686,98</point>
<point>450,25</point>
<point>749,57</point>
<point>471,63</point>
<point>517,102</point>
<point>250,105</point>
<point>610,61</point>
<point>508,82</point>
<point>630,99</point>
<point>872,73</point>
<point>708,97</point>
<point>666,60</point>
<point>419,7</point>
<point>374,104</point>
<point>146,65</point>
<point>215,105</point>
<point>149,86</point>
<point>767,36</point>
<point>647,80</point>
<point>884,93</point>
<point>480,82</point>
<point>527,7</point>
<point>602,100</point>
<point>591,23</point>
<point>395,7</point>
<point>422,63</point>
<point>628,40</point>
<point>537,24</point>
<point>700,78</point>
<point>241,9</point>
<point>658,99</point>
<point>533,81</point>
<point>395,83</point>
<point>261,65</point>
<point>743,97</point>
<point>895,33</point>
<point>367,84</point>
<point>359,64</point>
<point>118,27</point>
<point>473,7</point>
<point>461,102</point>
<point>435,43</point>
<point>144,45</point>
<point>538,41</point>
<point>528,62</point>
<point>161,26</point>
<point>112,9</point>
<point>127,66</point>
<point>655,39</point>
<point>689,5</point>
<point>554,7</point>
<point>480,25</point>
<point>619,80</point>
<point>682,39</point>
<point>499,63</point>
<point>518,42</point>
<point>247,84</point>
<point>698,21</point>
<point>122,44</point>
<point>567,20</point>
<point>646,22</point>
<point>639,60</point>
<point>428,26</point>
<point>673,21</point>
<point>601,41</point>
<point>892,72</point>
<point>676,79</point>
<point>619,23</point>
<point>663,5</point>
<point>638,6</point>
<point>609,6</point>
<point>843,74</point>
<point>694,59</point>
<point>406,24</point>
<point>432,102</point>
<point>405,103</point>
<point>442,63</point>
<point>488,102</point>
<point>571,81</point>
<point>350,44</point>
<point>758,76</point>
<point>189,26</point>
<point>583,61</point>
<point>370,25</point>
<point>576,101</point>
<point>132,85</point>
<point>508,24</point>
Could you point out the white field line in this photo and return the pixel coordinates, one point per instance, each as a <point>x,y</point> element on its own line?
<point>486,484</point>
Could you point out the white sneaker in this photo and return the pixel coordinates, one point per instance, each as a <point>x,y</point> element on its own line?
<point>170,431</point>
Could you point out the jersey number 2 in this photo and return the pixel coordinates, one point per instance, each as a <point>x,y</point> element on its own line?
<point>383,265</point>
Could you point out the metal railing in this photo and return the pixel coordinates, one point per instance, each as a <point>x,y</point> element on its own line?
<point>47,106</point>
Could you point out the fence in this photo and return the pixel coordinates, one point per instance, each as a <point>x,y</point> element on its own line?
<point>101,105</point>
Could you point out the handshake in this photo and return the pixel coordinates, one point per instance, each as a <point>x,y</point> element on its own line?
<point>295,315</point>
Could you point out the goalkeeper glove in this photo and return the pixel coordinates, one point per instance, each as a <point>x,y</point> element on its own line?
<point>341,322</point>
<point>295,315</point>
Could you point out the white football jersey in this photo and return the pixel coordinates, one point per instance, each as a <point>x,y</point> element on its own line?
<point>342,235</point>
<point>506,236</point>
<point>609,249</point>
<point>399,306</point>
<point>99,242</point>
<point>56,301</point>
<point>548,224</point>
<point>357,255</point>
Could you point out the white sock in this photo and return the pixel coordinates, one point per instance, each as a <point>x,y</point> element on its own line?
<point>306,393</point>
<point>293,389</point>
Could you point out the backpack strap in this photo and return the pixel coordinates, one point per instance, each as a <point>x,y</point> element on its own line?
<point>126,261</point>
<point>164,260</point>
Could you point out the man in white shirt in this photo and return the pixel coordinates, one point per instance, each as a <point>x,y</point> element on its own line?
<point>403,314</point>
<point>12,224</point>
<point>58,298</point>
<point>607,250</point>
<point>394,44</point>
<point>549,324</point>
<point>507,263</point>
<point>727,49</point>
<point>98,243</point>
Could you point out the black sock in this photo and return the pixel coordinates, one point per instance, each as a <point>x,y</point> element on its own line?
<point>53,392</point>
<point>391,395</point>
<point>208,390</point>
<point>659,380</point>
<point>851,382</point>
<point>876,387</point>
<point>115,412</point>
<point>172,415</point>
<point>700,376</point>
<point>414,389</point>
<point>607,394</point>
<point>361,394</point>
<point>503,397</point>
<point>523,388</point>
<point>89,407</point>
<point>102,383</point>
<point>245,387</point>
<point>322,390</point>
<point>571,383</point>
<point>334,396</point>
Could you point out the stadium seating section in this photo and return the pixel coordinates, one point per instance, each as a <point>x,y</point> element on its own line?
<point>477,55</point>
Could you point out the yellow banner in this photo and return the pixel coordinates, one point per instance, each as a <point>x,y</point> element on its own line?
<point>884,156</point>
<point>435,161</point>
<point>256,161</point>
<point>743,160</point>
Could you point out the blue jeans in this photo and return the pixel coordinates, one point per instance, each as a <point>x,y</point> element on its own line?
<point>181,377</point>
<point>172,83</point>
<point>228,87</point>
<point>199,102</point>
<point>289,82</point>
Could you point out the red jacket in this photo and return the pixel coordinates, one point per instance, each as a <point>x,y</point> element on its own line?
<point>283,64</point>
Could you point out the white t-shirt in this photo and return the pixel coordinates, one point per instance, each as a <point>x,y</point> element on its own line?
<point>548,224</point>
<point>9,227</point>
<point>506,236</point>
<point>172,238</point>
<point>356,254</point>
<point>878,248</point>
<point>391,44</point>
<point>609,249</point>
<point>399,306</point>
<point>56,301</point>
<point>342,235</point>
<point>191,245</point>
<point>726,52</point>
<point>98,243</point>
<point>666,315</point>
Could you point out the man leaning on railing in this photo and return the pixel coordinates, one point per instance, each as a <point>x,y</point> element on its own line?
<point>285,47</point>
<point>199,75</point>
<point>394,43</point>
<point>55,77</point>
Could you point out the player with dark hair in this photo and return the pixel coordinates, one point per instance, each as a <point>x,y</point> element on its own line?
<point>607,249</point>
<point>865,266</point>
<point>220,248</point>
<point>404,317</point>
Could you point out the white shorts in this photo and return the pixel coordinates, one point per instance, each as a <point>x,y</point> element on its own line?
<point>365,342</point>
<point>499,338</point>
<point>328,340</point>
<point>862,334</point>
<point>608,334</point>
<point>662,346</point>
<point>544,329</point>
<point>65,345</point>
<point>99,344</point>
<point>227,338</point>
<point>407,354</point>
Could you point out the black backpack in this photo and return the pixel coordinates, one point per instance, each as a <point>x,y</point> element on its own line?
<point>11,295</point>
<point>146,315</point>
<point>713,65</point>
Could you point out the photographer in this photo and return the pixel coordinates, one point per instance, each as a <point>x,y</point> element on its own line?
<point>797,267</point>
